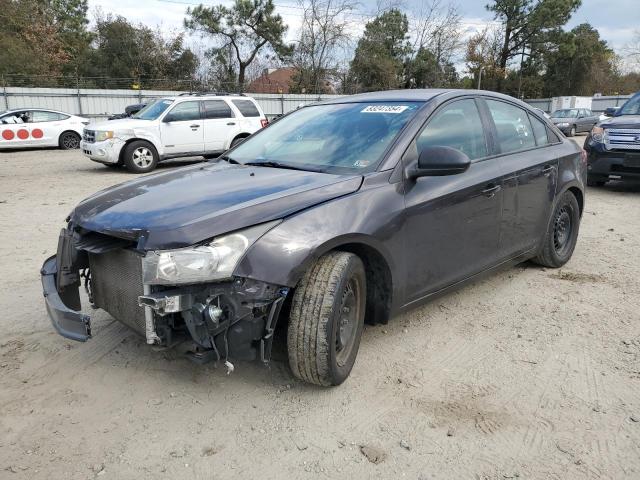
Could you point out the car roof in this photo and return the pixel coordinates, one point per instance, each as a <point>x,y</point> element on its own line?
<point>416,95</point>
<point>36,108</point>
<point>210,97</point>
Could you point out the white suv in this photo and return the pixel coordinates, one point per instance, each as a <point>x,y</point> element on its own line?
<point>171,127</point>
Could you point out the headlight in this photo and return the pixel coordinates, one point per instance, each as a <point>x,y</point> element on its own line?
<point>204,263</point>
<point>598,134</point>
<point>563,124</point>
<point>101,136</point>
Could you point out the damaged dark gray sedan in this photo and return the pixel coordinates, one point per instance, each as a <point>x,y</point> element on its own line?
<point>339,213</point>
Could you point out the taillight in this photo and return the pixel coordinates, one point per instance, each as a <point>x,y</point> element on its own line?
<point>264,122</point>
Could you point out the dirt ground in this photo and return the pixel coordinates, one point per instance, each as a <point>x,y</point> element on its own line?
<point>529,374</point>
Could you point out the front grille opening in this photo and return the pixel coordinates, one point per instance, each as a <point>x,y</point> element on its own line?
<point>116,282</point>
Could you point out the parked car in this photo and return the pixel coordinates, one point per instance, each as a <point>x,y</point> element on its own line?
<point>37,127</point>
<point>172,127</point>
<point>574,120</point>
<point>129,111</point>
<point>613,146</point>
<point>350,210</point>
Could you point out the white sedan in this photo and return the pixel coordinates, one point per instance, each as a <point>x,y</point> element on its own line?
<point>36,127</point>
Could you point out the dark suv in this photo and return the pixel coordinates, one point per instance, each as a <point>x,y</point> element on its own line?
<point>613,146</point>
<point>338,213</point>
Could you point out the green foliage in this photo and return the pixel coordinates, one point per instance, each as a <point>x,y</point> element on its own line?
<point>241,31</point>
<point>124,50</point>
<point>381,53</point>
<point>580,63</point>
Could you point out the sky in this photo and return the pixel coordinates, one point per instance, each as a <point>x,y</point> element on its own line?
<point>616,20</point>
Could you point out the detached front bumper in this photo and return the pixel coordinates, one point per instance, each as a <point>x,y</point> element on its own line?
<point>103,152</point>
<point>69,323</point>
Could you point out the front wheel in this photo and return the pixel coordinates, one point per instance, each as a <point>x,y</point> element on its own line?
<point>69,141</point>
<point>562,233</point>
<point>140,157</point>
<point>326,319</point>
<point>572,132</point>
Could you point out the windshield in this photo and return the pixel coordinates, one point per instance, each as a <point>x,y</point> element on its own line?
<point>153,110</point>
<point>565,113</point>
<point>339,138</point>
<point>631,107</point>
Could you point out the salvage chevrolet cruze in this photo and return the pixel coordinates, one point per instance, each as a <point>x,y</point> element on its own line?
<point>339,213</point>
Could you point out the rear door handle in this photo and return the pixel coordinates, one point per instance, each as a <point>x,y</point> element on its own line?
<point>195,126</point>
<point>231,123</point>
<point>491,190</point>
<point>547,170</point>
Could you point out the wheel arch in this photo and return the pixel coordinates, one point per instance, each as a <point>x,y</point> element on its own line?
<point>136,139</point>
<point>378,270</point>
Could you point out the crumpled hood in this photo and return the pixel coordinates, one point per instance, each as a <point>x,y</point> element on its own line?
<point>189,205</point>
<point>119,124</point>
<point>623,121</point>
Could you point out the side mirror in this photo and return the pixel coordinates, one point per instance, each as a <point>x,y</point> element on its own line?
<point>610,112</point>
<point>439,161</point>
<point>167,119</point>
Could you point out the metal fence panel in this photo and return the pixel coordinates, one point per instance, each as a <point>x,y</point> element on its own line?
<point>101,103</point>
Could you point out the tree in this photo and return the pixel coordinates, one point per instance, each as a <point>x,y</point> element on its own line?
<point>30,39</point>
<point>526,25</point>
<point>324,30</point>
<point>244,29</point>
<point>483,58</point>
<point>380,55</point>
<point>580,64</point>
<point>125,51</point>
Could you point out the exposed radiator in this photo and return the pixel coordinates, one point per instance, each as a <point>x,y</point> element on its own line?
<point>116,282</point>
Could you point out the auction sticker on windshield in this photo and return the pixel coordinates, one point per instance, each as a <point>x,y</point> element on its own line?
<point>384,109</point>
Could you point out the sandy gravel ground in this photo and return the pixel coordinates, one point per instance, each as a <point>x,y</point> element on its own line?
<point>530,374</point>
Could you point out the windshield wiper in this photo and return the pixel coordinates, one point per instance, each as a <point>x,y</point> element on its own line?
<point>272,164</point>
<point>226,158</point>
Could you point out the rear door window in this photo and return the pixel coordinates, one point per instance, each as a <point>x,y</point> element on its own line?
<point>539,131</point>
<point>247,108</point>
<point>43,116</point>
<point>512,125</point>
<point>217,109</point>
<point>456,125</point>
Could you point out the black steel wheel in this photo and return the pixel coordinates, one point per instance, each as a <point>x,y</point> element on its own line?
<point>326,319</point>
<point>562,234</point>
<point>69,141</point>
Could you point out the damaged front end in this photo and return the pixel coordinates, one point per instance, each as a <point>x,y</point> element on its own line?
<point>221,319</point>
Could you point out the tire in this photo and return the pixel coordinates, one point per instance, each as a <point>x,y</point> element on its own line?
<point>595,183</point>
<point>236,141</point>
<point>562,233</point>
<point>326,319</point>
<point>140,156</point>
<point>69,141</point>
<point>572,132</point>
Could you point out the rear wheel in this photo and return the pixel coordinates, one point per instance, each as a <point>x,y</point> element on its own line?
<point>140,156</point>
<point>572,132</point>
<point>326,319</point>
<point>69,141</point>
<point>562,233</point>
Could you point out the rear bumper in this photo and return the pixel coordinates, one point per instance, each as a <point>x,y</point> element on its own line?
<point>615,164</point>
<point>69,323</point>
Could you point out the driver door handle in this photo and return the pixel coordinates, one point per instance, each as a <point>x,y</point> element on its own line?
<point>231,123</point>
<point>195,126</point>
<point>546,171</point>
<point>491,190</point>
